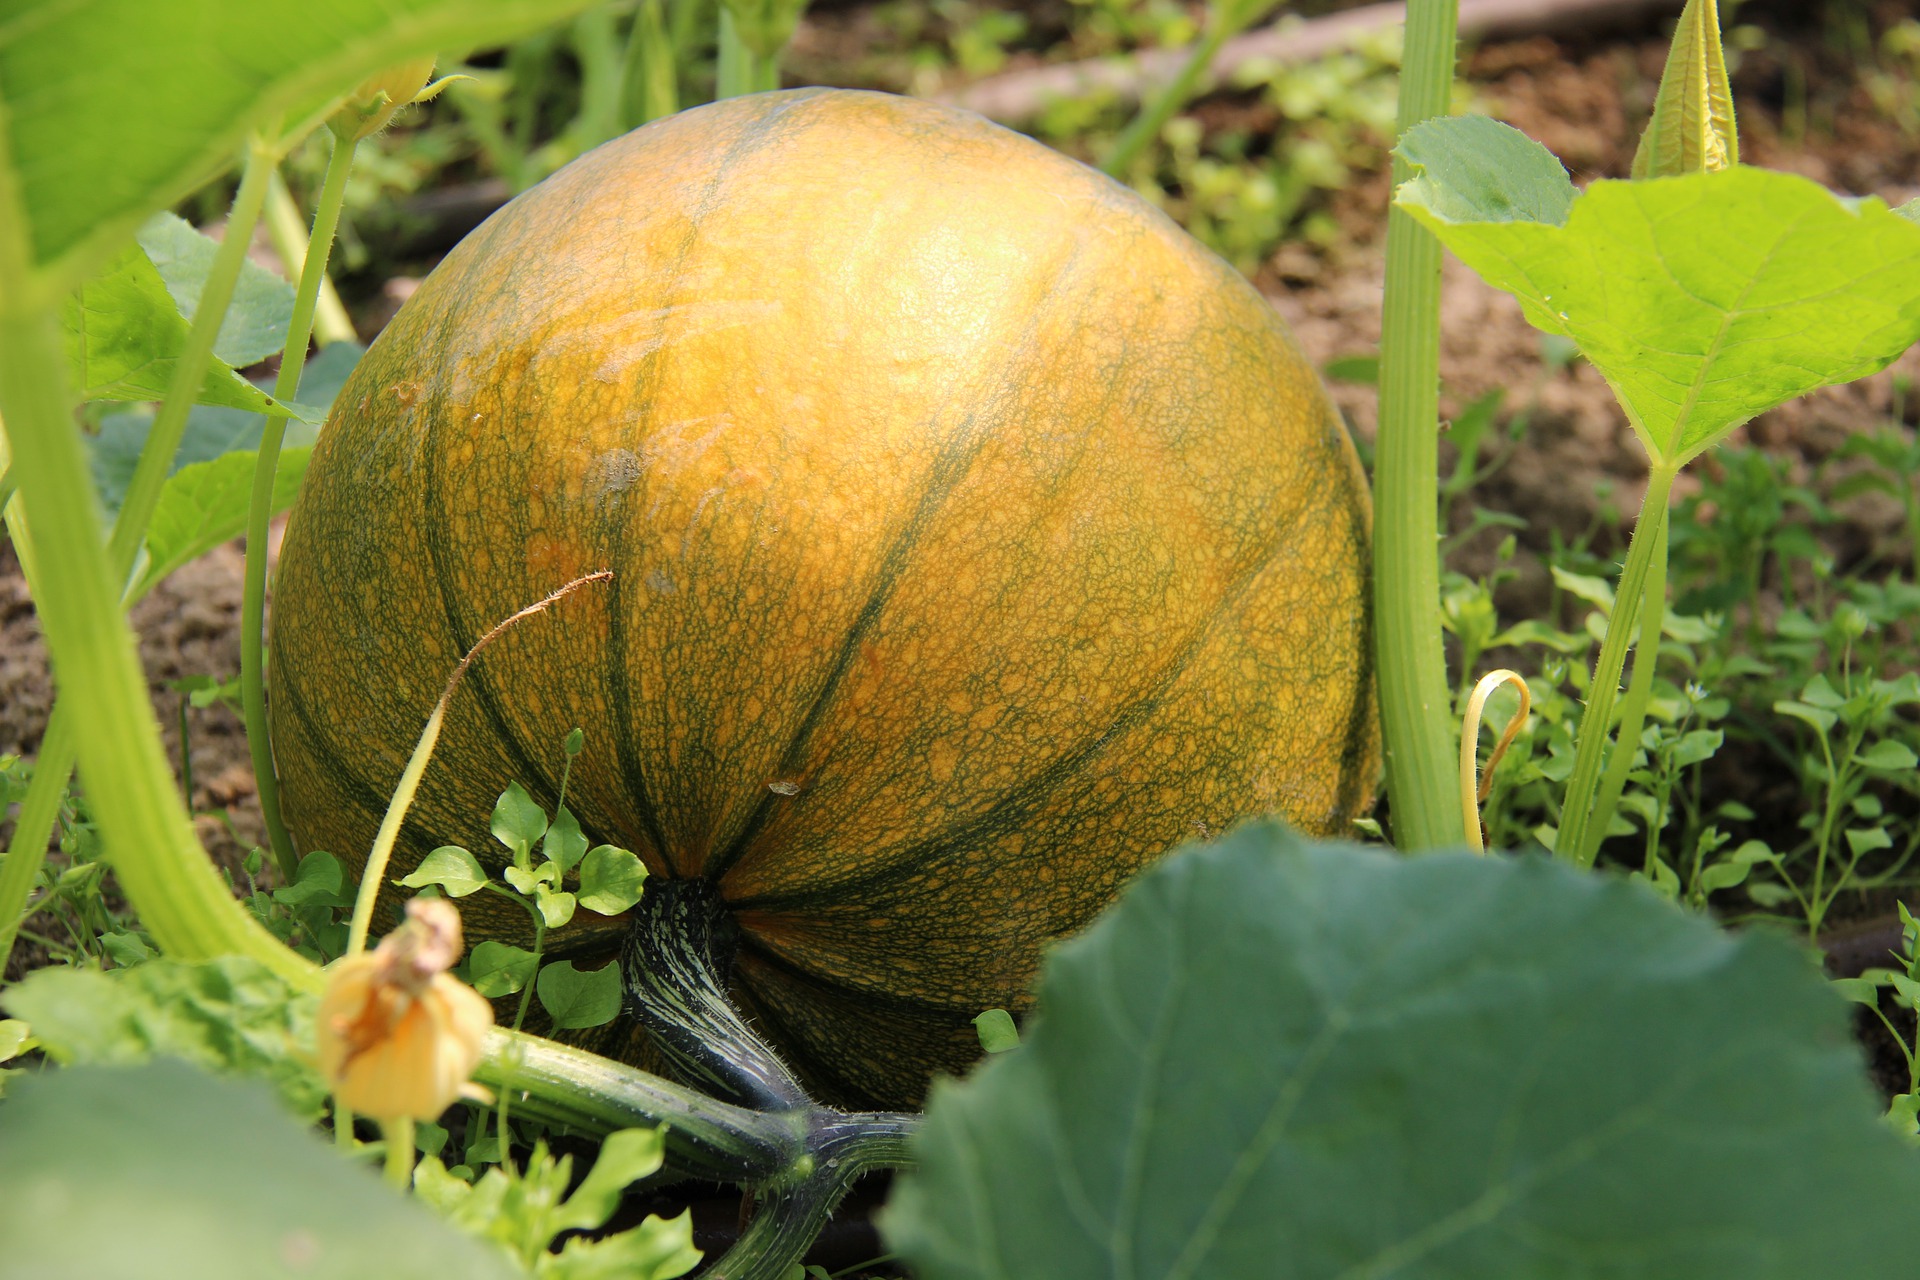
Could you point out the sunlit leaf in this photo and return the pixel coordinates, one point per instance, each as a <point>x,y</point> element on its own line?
<point>1704,299</point>
<point>124,336</point>
<point>206,504</point>
<point>1692,128</point>
<point>118,108</point>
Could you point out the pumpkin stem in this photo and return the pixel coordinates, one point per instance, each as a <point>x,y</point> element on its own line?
<point>674,965</point>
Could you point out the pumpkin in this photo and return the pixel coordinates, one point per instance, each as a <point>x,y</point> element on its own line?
<point>977,537</point>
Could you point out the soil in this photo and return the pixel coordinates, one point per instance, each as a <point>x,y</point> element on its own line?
<point>1585,98</point>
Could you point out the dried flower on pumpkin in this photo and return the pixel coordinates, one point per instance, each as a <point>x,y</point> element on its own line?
<point>398,1035</point>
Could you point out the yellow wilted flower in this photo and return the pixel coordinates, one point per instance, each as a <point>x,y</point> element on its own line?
<point>398,1035</point>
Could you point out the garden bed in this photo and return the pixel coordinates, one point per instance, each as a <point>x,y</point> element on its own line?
<point>1824,92</point>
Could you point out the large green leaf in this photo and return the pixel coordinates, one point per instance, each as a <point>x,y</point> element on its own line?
<point>159,1171</point>
<point>205,504</point>
<point>211,430</point>
<point>1275,1059</point>
<point>255,325</point>
<point>124,334</point>
<point>1704,299</point>
<point>113,109</point>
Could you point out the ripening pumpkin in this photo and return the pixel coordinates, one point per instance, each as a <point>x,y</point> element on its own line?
<point>977,537</point>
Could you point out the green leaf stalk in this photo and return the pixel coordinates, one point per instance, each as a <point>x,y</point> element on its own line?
<point>1415,700</point>
<point>293,359</point>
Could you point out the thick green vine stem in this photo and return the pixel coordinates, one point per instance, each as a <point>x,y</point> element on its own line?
<point>1582,824</point>
<point>1415,701</point>
<point>27,852</point>
<point>293,359</point>
<point>705,1137</point>
<point>790,1212</point>
<point>148,835</point>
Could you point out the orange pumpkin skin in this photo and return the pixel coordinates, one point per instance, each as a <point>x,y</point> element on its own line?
<point>977,537</point>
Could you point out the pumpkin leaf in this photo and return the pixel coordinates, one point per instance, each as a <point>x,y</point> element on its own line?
<point>256,322</point>
<point>211,430</point>
<point>124,335</point>
<point>579,998</point>
<point>1692,127</point>
<point>118,108</point>
<point>611,880</point>
<point>450,867</point>
<point>1440,1067</point>
<point>205,504</point>
<point>496,969</point>
<point>138,1171</point>
<point>1704,299</point>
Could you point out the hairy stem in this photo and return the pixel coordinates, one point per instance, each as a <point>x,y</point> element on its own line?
<point>706,1138</point>
<point>789,1213</point>
<point>253,598</point>
<point>1633,712</point>
<point>147,832</point>
<point>288,230</point>
<point>1578,809</point>
<point>674,965</point>
<point>1415,702</point>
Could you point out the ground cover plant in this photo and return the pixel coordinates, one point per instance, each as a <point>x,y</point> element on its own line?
<point>1363,1062</point>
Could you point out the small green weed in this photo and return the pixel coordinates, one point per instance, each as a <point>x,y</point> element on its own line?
<point>605,880</point>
